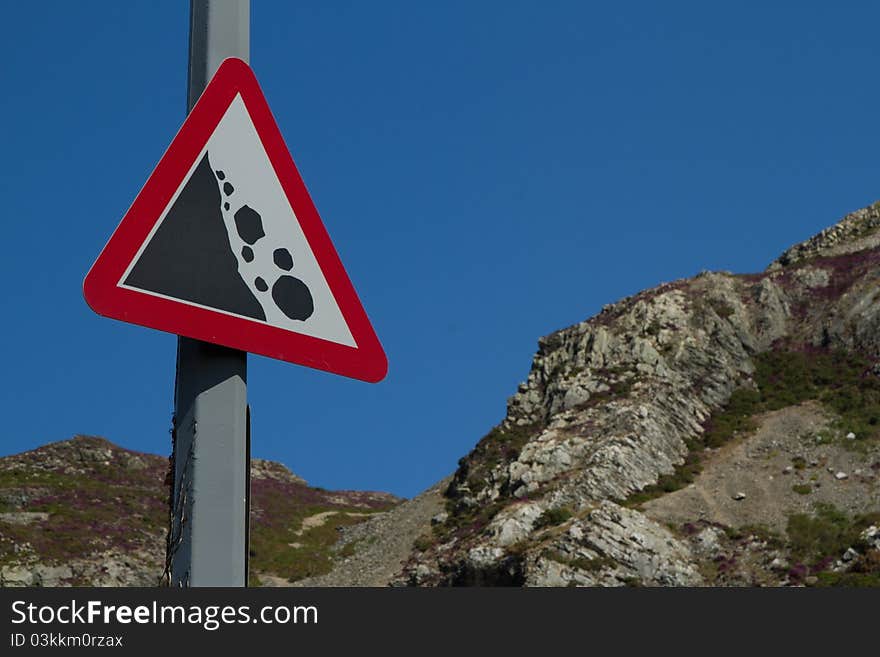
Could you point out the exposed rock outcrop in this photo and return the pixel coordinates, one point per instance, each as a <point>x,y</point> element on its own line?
<point>615,403</point>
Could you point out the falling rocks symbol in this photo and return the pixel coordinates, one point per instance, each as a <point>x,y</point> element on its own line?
<point>190,258</point>
<point>224,244</point>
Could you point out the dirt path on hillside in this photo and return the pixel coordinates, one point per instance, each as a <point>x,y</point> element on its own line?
<point>319,519</point>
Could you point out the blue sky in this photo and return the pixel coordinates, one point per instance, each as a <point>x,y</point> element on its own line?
<point>489,172</point>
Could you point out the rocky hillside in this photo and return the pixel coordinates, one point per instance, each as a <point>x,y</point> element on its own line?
<point>87,512</point>
<point>717,430</point>
<point>721,429</point>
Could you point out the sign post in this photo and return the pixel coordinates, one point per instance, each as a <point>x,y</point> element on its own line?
<point>208,540</point>
<point>224,247</point>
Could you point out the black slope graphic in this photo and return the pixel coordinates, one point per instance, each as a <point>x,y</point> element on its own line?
<point>189,256</point>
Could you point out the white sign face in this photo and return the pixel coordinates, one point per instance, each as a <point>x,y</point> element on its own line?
<point>263,233</point>
<point>224,244</point>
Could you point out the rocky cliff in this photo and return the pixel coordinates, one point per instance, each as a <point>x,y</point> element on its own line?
<point>685,436</point>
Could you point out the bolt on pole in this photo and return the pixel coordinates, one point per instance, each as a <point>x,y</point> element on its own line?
<point>207,541</point>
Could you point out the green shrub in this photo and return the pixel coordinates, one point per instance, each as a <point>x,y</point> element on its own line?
<point>736,417</point>
<point>850,579</point>
<point>500,445</point>
<point>825,534</point>
<point>423,543</point>
<point>592,565</point>
<point>721,308</point>
<point>762,532</point>
<point>553,517</point>
<point>595,564</point>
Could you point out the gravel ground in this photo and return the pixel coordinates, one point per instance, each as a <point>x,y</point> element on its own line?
<point>765,467</point>
<point>381,544</point>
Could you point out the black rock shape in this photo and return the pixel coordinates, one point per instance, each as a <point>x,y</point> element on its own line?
<point>220,175</point>
<point>190,258</point>
<point>249,224</point>
<point>247,253</point>
<point>226,205</point>
<point>228,189</point>
<point>293,298</point>
<point>283,259</point>
<point>260,284</point>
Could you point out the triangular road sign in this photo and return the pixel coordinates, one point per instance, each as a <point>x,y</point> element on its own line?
<point>223,244</point>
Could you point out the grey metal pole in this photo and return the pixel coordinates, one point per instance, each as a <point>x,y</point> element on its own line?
<point>207,543</point>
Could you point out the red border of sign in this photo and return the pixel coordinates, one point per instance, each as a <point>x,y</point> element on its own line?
<point>366,362</point>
